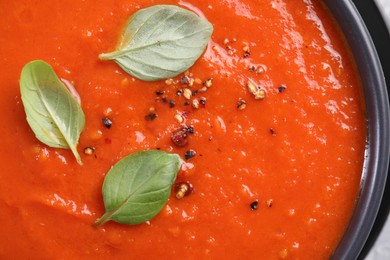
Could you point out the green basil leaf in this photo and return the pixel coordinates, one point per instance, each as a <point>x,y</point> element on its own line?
<point>161,42</point>
<point>53,113</point>
<point>138,186</point>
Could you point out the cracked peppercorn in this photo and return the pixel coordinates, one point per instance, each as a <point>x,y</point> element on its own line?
<point>189,154</point>
<point>254,205</point>
<point>282,88</point>
<point>183,189</point>
<point>171,103</point>
<point>89,150</point>
<point>107,122</point>
<point>179,137</point>
<point>190,129</point>
<point>151,116</point>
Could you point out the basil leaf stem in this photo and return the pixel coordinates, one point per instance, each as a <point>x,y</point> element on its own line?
<point>53,113</point>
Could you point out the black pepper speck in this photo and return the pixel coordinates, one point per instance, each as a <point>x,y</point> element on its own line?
<point>282,88</point>
<point>107,122</point>
<point>185,80</point>
<point>189,154</point>
<point>254,205</point>
<point>151,116</point>
<point>171,103</point>
<point>190,130</point>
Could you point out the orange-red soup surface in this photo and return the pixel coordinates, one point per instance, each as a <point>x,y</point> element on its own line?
<point>298,152</point>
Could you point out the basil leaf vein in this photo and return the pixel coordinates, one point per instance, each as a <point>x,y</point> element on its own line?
<point>138,186</point>
<point>161,42</point>
<point>53,113</point>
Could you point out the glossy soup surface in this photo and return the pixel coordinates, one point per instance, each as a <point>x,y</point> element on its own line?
<point>298,152</point>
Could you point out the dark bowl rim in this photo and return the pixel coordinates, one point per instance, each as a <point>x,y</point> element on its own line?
<point>378,122</point>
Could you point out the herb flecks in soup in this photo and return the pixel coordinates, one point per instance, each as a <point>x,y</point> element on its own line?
<point>273,177</point>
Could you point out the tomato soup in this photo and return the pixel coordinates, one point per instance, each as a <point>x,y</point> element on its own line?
<point>273,174</point>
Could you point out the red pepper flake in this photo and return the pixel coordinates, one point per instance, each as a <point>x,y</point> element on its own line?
<point>107,122</point>
<point>160,92</point>
<point>179,137</point>
<point>189,154</point>
<point>185,114</point>
<point>107,140</point>
<point>150,116</point>
<point>254,205</point>
<point>272,131</point>
<point>179,92</point>
<point>187,81</point>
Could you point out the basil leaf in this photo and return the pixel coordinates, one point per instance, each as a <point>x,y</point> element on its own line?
<point>138,186</point>
<point>161,42</point>
<point>53,113</point>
